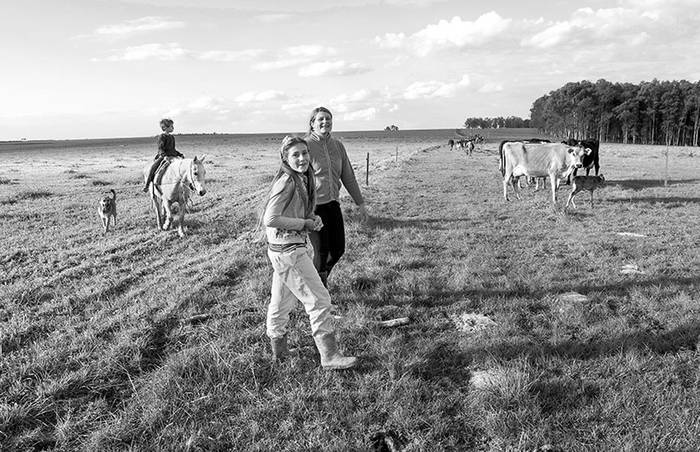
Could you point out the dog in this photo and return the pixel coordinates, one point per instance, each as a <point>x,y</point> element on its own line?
<point>107,210</point>
<point>580,183</point>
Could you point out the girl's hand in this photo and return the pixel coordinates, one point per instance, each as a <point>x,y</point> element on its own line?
<point>309,224</point>
<point>318,223</point>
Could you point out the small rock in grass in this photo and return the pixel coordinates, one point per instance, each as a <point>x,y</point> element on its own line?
<point>573,297</point>
<point>484,379</point>
<point>631,269</point>
<point>471,322</point>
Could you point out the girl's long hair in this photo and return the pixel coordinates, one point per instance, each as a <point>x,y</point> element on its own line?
<point>307,191</point>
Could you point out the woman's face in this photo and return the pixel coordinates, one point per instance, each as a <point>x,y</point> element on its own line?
<point>298,158</point>
<point>323,123</point>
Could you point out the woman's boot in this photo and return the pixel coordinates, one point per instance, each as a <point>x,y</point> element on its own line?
<point>279,348</point>
<point>330,356</point>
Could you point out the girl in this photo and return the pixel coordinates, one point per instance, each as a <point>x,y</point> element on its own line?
<point>331,168</point>
<point>166,148</point>
<point>288,218</point>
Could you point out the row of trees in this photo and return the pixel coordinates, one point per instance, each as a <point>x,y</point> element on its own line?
<point>496,123</point>
<point>666,112</point>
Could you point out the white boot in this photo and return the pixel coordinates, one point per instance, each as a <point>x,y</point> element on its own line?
<point>330,356</point>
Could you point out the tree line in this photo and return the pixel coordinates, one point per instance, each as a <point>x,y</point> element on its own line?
<point>496,123</point>
<point>655,112</point>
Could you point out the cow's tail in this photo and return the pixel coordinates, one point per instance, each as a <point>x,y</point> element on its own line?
<point>502,161</point>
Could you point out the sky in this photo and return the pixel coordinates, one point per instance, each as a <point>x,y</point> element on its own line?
<point>114,68</point>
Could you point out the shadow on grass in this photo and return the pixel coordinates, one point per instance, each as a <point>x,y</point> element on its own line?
<point>672,341</point>
<point>659,200</point>
<point>388,224</point>
<point>641,184</point>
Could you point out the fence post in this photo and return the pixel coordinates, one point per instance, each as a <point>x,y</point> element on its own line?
<point>666,172</point>
<point>396,159</point>
<point>367,171</point>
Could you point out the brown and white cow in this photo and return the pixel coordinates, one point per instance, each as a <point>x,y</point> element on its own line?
<point>555,160</point>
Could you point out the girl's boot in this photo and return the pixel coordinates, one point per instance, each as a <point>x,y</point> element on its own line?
<point>279,348</point>
<point>330,356</point>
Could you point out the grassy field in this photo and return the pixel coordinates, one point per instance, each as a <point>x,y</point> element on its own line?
<point>531,327</point>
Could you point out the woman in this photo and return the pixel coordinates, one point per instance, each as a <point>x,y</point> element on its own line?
<point>331,168</point>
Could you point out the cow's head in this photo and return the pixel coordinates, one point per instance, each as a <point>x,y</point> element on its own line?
<point>575,156</point>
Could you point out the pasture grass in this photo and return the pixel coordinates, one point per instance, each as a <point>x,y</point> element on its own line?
<point>139,340</point>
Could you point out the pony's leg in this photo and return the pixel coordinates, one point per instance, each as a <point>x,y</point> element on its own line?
<point>181,218</point>
<point>155,203</point>
<point>168,215</point>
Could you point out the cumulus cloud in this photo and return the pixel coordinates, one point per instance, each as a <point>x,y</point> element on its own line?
<point>366,114</point>
<point>164,52</point>
<point>338,67</point>
<point>432,89</point>
<point>144,24</point>
<point>357,96</point>
<point>453,34</point>
<point>230,55</point>
<point>587,26</point>
<point>260,96</point>
<point>491,87</point>
<point>201,105</point>
<point>309,59</point>
<point>272,18</point>
<point>310,50</point>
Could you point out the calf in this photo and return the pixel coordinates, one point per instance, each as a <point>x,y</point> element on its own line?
<point>581,183</point>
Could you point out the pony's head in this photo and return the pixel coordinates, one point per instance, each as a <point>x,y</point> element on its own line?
<point>197,176</point>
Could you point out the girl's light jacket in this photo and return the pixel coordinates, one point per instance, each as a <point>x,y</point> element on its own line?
<point>332,166</point>
<point>284,214</point>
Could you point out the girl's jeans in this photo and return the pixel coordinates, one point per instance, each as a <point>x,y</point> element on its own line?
<point>295,278</point>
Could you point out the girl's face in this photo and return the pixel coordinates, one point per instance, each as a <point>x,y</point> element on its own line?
<point>298,158</point>
<point>323,123</point>
<point>169,129</point>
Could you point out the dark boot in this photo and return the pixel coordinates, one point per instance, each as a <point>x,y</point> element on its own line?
<point>279,348</point>
<point>331,358</point>
<point>324,278</point>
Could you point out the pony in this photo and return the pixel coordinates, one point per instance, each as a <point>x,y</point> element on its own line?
<point>175,185</point>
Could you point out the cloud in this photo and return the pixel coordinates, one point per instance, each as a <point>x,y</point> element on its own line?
<point>339,67</point>
<point>201,105</point>
<point>260,96</point>
<point>357,96</point>
<point>311,51</point>
<point>491,87</point>
<point>366,114</point>
<point>272,18</point>
<point>144,24</point>
<point>307,59</point>
<point>453,34</point>
<point>164,52</point>
<point>587,26</point>
<point>279,64</point>
<point>230,55</point>
<point>433,89</point>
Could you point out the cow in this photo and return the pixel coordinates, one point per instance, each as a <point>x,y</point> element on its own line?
<point>468,146</point>
<point>555,160</point>
<point>530,180</point>
<point>462,143</point>
<point>589,161</point>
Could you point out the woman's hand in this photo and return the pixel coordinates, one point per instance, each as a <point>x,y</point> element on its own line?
<point>364,216</point>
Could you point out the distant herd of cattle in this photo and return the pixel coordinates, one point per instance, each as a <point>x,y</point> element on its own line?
<point>540,158</point>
